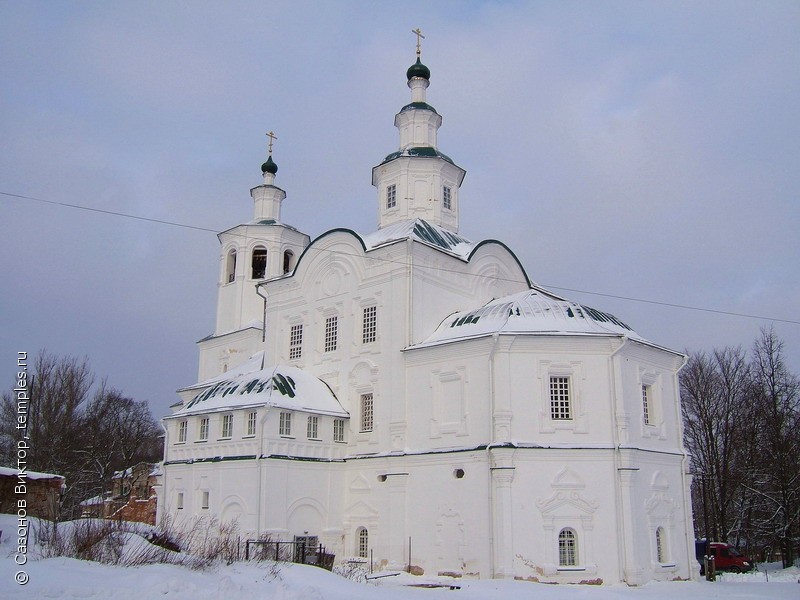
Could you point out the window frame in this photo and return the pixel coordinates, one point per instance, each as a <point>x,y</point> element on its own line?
<point>202,434</point>
<point>561,405</point>
<point>205,500</point>
<point>331,343</point>
<point>369,324</point>
<point>230,266</point>
<point>296,341</point>
<point>312,427</point>
<point>367,408</point>
<point>226,427</point>
<point>285,424</point>
<point>183,429</point>
<point>362,542</point>
<point>447,197</point>
<point>252,419</point>
<point>338,431</point>
<point>568,556</point>
<point>391,196</point>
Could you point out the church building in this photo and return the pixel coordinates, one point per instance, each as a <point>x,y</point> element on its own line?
<point>409,396</point>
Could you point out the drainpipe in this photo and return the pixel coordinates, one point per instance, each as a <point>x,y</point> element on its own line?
<point>617,487</point>
<point>687,524</point>
<point>264,418</point>
<point>161,506</point>
<point>495,340</point>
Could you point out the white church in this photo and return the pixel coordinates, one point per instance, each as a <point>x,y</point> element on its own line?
<point>410,397</point>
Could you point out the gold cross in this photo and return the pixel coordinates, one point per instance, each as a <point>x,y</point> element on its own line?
<point>419,35</point>
<point>272,137</point>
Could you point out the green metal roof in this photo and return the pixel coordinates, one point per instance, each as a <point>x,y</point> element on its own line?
<point>421,151</point>
<point>418,105</point>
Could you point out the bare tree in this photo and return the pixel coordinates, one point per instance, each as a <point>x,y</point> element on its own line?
<point>777,482</point>
<point>83,438</point>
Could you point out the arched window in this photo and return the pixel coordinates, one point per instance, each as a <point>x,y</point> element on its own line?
<point>230,266</point>
<point>662,555</point>
<point>363,542</point>
<point>567,548</point>
<point>259,262</point>
<point>287,261</point>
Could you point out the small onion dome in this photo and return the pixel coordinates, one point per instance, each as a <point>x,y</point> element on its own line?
<point>418,70</point>
<point>269,166</point>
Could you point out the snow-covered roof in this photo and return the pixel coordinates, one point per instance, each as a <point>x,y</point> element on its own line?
<point>421,231</point>
<point>529,312</point>
<point>281,386</point>
<point>10,472</point>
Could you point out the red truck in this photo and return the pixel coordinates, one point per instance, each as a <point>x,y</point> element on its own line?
<point>726,558</point>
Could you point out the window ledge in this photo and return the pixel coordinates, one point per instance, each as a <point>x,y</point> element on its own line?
<point>247,437</point>
<point>224,439</point>
<point>570,569</point>
<point>287,437</point>
<point>180,443</point>
<point>201,441</point>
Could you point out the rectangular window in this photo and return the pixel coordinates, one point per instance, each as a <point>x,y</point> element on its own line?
<point>338,430</point>
<point>646,404</point>
<point>391,196</point>
<point>180,500</point>
<point>204,501</point>
<point>369,325</point>
<point>295,342</point>
<point>446,199</point>
<point>312,431</point>
<point>182,427</point>
<point>285,427</point>
<point>560,409</point>
<point>251,423</point>
<point>203,429</point>
<point>331,333</point>
<point>366,412</point>
<point>227,426</point>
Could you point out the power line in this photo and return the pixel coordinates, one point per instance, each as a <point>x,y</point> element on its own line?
<point>439,269</point>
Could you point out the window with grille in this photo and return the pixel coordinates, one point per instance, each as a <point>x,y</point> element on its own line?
<point>295,342</point>
<point>285,425</point>
<point>312,431</point>
<point>391,196</point>
<point>251,423</point>
<point>661,545</point>
<point>560,409</point>
<point>227,426</point>
<point>363,542</point>
<point>446,199</point>
<point>259,266</point>
<point>366,412</point>
<point>182,428</point>
<point>338,430</point>
<point>567,548</point>
<point>331,333</point>
<point>204,429</point>
<point>369,324</point>
<point>646,397</point>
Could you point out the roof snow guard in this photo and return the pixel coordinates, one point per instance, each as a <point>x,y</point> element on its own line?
<point>281,386</point>
<point>529,312</point>
<point>421,231</point>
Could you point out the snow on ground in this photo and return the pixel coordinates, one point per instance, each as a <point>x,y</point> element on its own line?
<point>70,578</point>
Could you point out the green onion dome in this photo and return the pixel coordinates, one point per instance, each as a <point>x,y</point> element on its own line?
<point>269,166</point>
<point>418,70</point>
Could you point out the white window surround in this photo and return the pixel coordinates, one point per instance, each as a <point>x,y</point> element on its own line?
<point>205,499</point>
<point>447,197</point>
<point>391,196</point>
<point>179,501</point>
<point>578,421</point>
<point>338,430</point>
<point>331,340</point>
<point>203,432</point>
<point>367,412</point>
<point>653,426</point>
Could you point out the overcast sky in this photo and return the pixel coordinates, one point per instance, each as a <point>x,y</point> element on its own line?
<point>640,149</point>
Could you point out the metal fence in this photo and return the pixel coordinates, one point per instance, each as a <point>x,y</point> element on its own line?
<point>295,552</point>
